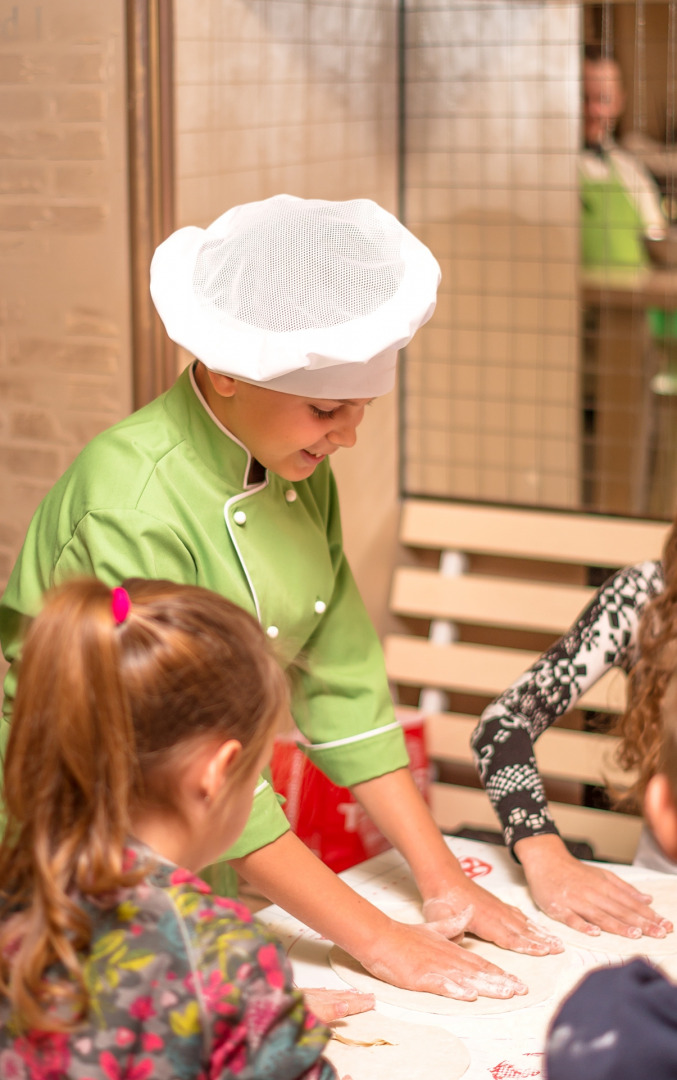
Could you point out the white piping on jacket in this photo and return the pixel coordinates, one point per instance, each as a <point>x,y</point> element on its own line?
<point>354,738</point>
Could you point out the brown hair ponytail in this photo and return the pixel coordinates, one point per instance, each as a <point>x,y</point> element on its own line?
<point>99,707</point>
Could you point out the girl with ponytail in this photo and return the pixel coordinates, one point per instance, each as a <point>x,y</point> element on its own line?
<point>142,719</point>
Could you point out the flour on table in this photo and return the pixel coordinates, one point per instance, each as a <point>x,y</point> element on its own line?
<point>415,1050</point>
<point>664,893</point>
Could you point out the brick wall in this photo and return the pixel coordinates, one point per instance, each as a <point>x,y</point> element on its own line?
<point>64,280</point>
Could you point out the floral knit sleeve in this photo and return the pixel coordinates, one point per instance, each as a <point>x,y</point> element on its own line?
<point>604,636</point>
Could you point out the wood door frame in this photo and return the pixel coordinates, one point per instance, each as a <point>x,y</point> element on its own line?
<point>150,112</point>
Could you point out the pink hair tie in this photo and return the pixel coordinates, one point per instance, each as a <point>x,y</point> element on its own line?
<point>120,605</point>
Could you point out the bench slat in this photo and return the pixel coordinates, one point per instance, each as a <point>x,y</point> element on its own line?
<point>487,601</point>
<point>585,756</point>
<point>614,836</point>
<point>480,669</point>
<point>537,534</point>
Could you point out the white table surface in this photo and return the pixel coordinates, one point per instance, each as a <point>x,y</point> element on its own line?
<point>504,1047</point>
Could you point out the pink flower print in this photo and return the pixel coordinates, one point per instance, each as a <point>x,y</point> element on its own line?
<point>229,1056</point>
<point>142,1008</point>
<point>12,1066</point>
<point>237,908</point>
<point>83,1046</point>
<point>150,1042</point>
<point>168,999</point>
<point>45,1054</point>
<point>135,929</point>
<point>184,877</point>
<point>269,961</point>
<point>215,990</point>
<point>124,1037</point>
<point>130,1070</point>
<point>206,915</point>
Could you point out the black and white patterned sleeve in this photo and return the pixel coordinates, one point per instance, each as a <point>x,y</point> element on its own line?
<point>604,636</point>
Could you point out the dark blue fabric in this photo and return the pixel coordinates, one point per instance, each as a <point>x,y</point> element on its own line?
<point>620,1023</point>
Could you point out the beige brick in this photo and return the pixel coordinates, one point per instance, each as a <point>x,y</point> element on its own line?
<point>19,217</point>
<point>30,352</point>
<point>83,429</point>
<point>37,425</point>
<point>86,397</point>
<point>72,66</point>
<point>12,68</point>
<point>79,67</point>
<point>90,323</point>
<point>68,357</point>
<point>79,105</point>
<point>22,178</point>
<point>54,144</point>
<point>38,464</point>
<point>9,534</point>
<point>78,181</point>
<point>21,391</point>
<point>22,105</point>
<point>77,219</point>
<point>88,358</point>
<point>6,563</point>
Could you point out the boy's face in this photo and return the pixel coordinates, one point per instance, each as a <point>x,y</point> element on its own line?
<point>289,435</point>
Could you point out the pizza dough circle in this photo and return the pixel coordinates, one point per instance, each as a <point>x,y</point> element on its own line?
<point>415,1050</point>
<point>664,893</point>
<point>540,973</point>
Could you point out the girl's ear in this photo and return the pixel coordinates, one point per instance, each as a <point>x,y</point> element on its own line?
<point>661,813</point>
<point>219,768</point>
<point>224,385</point>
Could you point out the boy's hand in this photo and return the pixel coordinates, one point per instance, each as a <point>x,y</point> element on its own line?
<point>421,957</point>
<point>587,898</point>
<point>492,920</point>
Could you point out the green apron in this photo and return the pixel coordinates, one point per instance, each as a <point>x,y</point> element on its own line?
<point>611,226</point>
<point>611,235</point>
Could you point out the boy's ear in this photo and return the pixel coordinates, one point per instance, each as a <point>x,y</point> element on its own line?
<point>224,385</point>
<point>661,813</point>
<point>219,768</point>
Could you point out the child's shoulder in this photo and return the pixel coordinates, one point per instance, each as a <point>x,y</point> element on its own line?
<point>617,1023</point>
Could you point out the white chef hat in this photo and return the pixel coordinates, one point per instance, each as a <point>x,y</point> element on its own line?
<point>299,295</point>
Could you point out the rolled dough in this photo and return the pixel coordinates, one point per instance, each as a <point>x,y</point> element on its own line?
<point>540,973</point>
<point>416,1050</point>
<point>664,893</point>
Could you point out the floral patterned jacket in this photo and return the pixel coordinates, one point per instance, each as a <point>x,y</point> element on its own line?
<point>604,636</point>
<point>183,984</point>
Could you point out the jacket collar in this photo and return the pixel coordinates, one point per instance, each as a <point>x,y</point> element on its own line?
<point>217,448</point>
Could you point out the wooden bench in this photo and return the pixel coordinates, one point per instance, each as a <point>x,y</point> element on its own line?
<point>487,590</point>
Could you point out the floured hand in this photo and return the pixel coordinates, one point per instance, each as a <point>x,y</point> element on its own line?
<point>586,898</point>
<point>422,957</point>
<point>492,920</point>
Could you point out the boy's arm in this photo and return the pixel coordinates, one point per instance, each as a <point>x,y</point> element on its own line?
<point>414,957</point>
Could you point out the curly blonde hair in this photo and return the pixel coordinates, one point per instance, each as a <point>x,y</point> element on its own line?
<point>640,726</point>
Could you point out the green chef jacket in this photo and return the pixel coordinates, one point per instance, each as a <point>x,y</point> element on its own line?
<point>170,493</point>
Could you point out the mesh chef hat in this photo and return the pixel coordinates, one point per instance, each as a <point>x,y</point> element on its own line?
<point>300,295</point>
